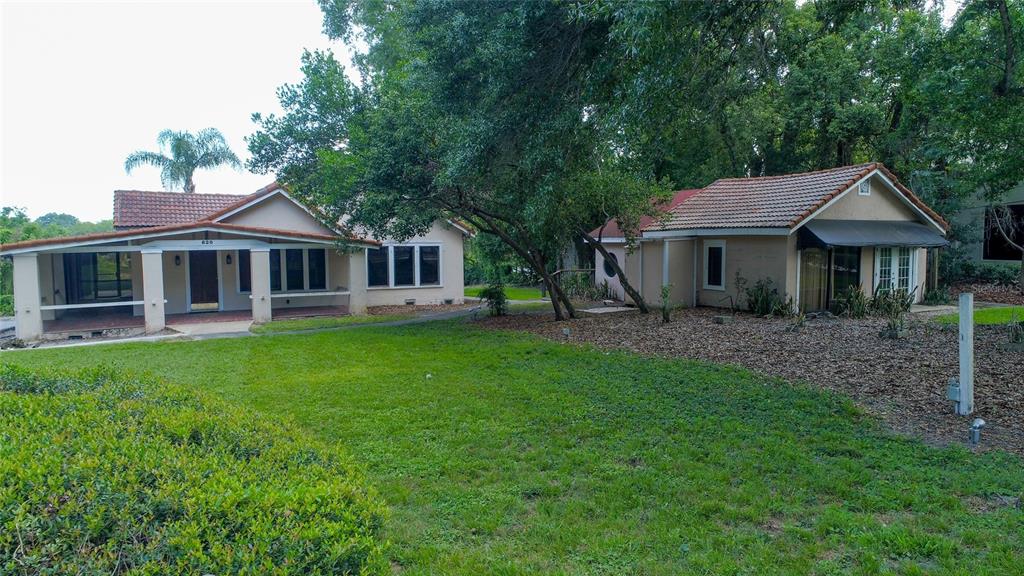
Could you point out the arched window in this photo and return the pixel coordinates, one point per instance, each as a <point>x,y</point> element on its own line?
<point>609,271</point>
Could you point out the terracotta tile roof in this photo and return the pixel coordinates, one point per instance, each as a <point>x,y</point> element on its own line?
<point>144,209</point>
<point>611,227</point>
<point>172,228</point>
<point>772,201</point>
<point>240,201</point>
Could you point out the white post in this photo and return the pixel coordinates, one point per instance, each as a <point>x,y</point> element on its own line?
<point>259,284</point>
<point>966,404</point>
<point>28,318</point>
<point>357,282</point>
<point>153,289</point>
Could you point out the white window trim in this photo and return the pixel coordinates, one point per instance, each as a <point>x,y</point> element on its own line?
<point>708,244</point>
<point>877,272</point>
<point>284,271</point>
<point>864,188</point>
<point>416,267</point>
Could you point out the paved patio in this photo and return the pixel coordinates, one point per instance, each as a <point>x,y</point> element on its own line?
<point>114,320</point>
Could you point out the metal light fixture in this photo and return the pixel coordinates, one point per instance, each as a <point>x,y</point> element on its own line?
<point>228,259</point>
<point>177,259</point>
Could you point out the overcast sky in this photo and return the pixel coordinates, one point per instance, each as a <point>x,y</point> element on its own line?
<point>83,84</point>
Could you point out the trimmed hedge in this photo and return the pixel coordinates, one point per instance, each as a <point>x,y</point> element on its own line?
<point>102,473</point>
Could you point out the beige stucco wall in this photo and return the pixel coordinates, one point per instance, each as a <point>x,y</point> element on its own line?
<point>631,267</point>
<point>650,254</point>
<point>452,280</point>
<point>175,282</point>
<point>882,204</point>
<point>754,258</point>
<point>280,213</point>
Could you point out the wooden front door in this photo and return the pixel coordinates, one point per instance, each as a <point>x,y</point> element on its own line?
<point>202,281</point>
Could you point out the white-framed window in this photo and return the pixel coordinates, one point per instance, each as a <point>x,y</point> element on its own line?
<point>864,189</point>
<point>404,266</point>
<point>896,268</point>
<point>291,270</point>
<point>714,264</point>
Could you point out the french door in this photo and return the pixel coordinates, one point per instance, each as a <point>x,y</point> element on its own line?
<point>895,268</point>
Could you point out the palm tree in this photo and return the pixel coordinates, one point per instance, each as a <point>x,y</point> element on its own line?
<point>188,153</point>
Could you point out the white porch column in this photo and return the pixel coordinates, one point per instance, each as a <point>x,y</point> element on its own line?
<point>28,318</point>
<point>259,269</point>
<point>153,289</point>
<point>357,282</point>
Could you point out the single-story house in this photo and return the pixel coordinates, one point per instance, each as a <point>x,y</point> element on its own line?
<point>812,234</point>
<point>175,254</point>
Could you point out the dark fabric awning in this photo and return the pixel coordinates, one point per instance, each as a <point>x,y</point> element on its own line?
<point>827,233</point>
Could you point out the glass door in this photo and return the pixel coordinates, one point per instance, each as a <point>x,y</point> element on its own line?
<point>813,279</point>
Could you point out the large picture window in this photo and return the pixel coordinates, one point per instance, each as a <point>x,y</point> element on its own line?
<point>714,264</point>
<point>291,270</point>
<point>377,267</point>
<point>430,265</point>
<point>403,266</point>
<point>102,276</point>
<point>317,269</point>
<point>275,270</point>
<point>294,270</point>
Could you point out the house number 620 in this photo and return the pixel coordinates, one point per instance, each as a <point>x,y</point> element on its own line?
<point>207,241</point>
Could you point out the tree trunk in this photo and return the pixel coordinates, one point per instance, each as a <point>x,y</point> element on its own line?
<point>633,293</point>
<point>190,186</point>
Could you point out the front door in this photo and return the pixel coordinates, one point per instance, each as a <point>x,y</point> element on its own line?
<point>202,281</point>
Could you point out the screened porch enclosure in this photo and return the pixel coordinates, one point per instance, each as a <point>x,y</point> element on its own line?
<point>826,274</point>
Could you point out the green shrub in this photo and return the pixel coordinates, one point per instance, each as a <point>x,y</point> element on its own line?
<point>104,474</point>
<point>764,300</point>
<point>987,272</point>
<point>938,296</point>
<point>853,303</point>
<point>1015,328</point>
<point>6,305</point>
<point>581,286</point>
<point>497,301</point>
<point>893,305</point>
<point>666,304</point>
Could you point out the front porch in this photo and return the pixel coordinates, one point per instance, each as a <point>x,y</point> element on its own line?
<point>144,285</point>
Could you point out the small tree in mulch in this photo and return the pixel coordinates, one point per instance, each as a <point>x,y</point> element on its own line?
<point>494,296</point>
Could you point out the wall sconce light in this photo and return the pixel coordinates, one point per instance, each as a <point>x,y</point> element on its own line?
<point>228,259</point>
<point>177,259</point>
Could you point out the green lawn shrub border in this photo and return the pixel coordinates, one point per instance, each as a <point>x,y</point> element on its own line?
<point>105,473</point>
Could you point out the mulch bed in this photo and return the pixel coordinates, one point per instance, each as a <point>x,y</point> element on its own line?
<point>901,381</point>
<point>994,293</point>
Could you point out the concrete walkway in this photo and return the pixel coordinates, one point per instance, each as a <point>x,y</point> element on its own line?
<point>218,330</point>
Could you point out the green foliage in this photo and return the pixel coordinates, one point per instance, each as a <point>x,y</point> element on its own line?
<point>763,299</point>
<point>581,286</point>
<point>937,296</point>
<point>6,305</point>
<point>985,272</point>
<point>101,473</point>
<point>524,456</point>
<point>666,303</point>
<point>854,303</point>
<point>1015,327</point>
<point>494,296</point>
<point>181,154</point>
<point>892,305</point>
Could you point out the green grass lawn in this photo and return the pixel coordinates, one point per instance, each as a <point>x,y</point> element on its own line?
<point>511,292</point>
<point>985,316</point>
<point>320,322</point>
<point>501,453</point>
